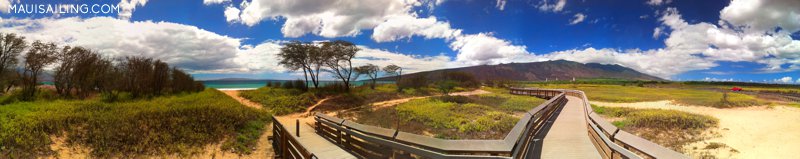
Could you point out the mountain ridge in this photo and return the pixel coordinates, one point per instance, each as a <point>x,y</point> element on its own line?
<point>541,71</point>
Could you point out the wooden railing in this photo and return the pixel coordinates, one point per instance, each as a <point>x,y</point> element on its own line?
<point>366,141</point>
<point>375,142</point>
<point>610,141</point>
<point>286,145</point>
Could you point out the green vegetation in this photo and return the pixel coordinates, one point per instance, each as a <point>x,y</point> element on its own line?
<point>280,100</point>
<point>699,97</point>
<point>669,128</point>
<point>467,114</point>
<point>163,125</point>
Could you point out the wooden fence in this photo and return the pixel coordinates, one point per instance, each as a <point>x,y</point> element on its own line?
<point>285,144</point>
<point>366,141</point>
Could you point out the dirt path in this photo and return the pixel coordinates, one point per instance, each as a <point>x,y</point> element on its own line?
<point>235,95</point>
<point>756,132</point>
<point>388,103</point>
<point>309,109</point>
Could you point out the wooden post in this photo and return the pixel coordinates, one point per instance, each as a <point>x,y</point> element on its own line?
<point>298,128</point>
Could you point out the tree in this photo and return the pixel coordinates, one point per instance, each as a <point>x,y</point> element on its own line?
<point>394,70</point>
<point>11,46</point>
<point>160,77</point>
<point>37,57</point>
<point>446,86</point>
<point>371,71</point>
<point>338,56</point>
<point>307,56</point>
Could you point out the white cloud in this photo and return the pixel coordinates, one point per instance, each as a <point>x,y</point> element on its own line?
<point>483,48</point>
<point>763,15</point>
<point>210,2</point>
<point>410,63</point>
<point>326,18</point>
<point>501,4</point>
<point>5,5</point>
<point>579,17</point>
<point>657,32</point>
<point>127,6</point>
<point>552,5</point>
<point>658,2</point>
<point>184,46</point>
<point>722,43</point>
<point>783,80</point>
<point>719,80</point>
<point>232,14</point>
<point>406,26</point>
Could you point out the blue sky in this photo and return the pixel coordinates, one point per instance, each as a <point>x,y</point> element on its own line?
<point>696,40</point>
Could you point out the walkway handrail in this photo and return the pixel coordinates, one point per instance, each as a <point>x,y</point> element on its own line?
<point>612,142</point>
<point>376,142</point>
<point>286,145</point>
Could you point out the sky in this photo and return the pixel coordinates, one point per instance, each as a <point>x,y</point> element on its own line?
<point>712,40</point>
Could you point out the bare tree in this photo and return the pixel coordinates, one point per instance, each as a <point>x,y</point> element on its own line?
<point>394,70</point>
<point>371,71</point>
<point>11,46</point>
<point>37,57</point>
<point>338,56</point>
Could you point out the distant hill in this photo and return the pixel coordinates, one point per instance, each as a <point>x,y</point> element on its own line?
<point>237,79</point>
<point>540,71</point>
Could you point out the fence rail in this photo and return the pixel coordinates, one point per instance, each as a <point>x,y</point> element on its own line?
<point>376,142</point>
<point>610,141</point>
<point>366,141</point>
<point>286,145</point>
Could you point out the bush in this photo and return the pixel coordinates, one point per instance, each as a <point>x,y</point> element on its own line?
<point>173,124</point>
<point>279,100</point>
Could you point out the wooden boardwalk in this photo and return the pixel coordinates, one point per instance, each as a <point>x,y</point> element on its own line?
<point>314,143</point>
<point>567,137</point>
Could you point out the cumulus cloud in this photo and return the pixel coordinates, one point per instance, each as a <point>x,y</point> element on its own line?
<point>552,5</point>
<point>5,5</point>
<point>579,17</point>
<point>725,43</point>
<point>325,18</point>
<point>184,46</point>
<point>763,15</point>
<point>406,26</point>
<point>783,80</point>
<point>210,2</point>
<point>483,48</point>
<point>127,6</point>
<point>501,4</point>
<point>232,14</point>
<point>658,2</point>
<point>657,32</point>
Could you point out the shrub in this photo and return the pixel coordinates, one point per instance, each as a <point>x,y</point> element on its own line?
<point>174,124</point>
<point>279,100</point>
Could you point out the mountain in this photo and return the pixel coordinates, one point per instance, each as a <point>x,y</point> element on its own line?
<point>540,71</point>
<point>235,79</point>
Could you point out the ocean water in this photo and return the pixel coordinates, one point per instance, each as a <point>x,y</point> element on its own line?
<point>254,84</point>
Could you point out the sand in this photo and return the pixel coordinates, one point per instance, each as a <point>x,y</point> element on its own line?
<point>756,132</point>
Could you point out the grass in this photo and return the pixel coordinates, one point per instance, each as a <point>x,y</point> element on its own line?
<point>688,96</point>
<point>164,125</point>
<point>279,100</point>
<point>669,128</point>
<point>479,116</point>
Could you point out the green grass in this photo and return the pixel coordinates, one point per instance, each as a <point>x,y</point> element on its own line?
<point>279,100</point>
<point>467,114</point>
<point>689,96</point>
<point>163,125</point>
<point>669,128</point>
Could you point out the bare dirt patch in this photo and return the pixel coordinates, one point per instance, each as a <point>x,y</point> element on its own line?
<point>749,132</point>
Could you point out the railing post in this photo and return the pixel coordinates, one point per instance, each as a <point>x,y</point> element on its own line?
<point>297,128</point>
